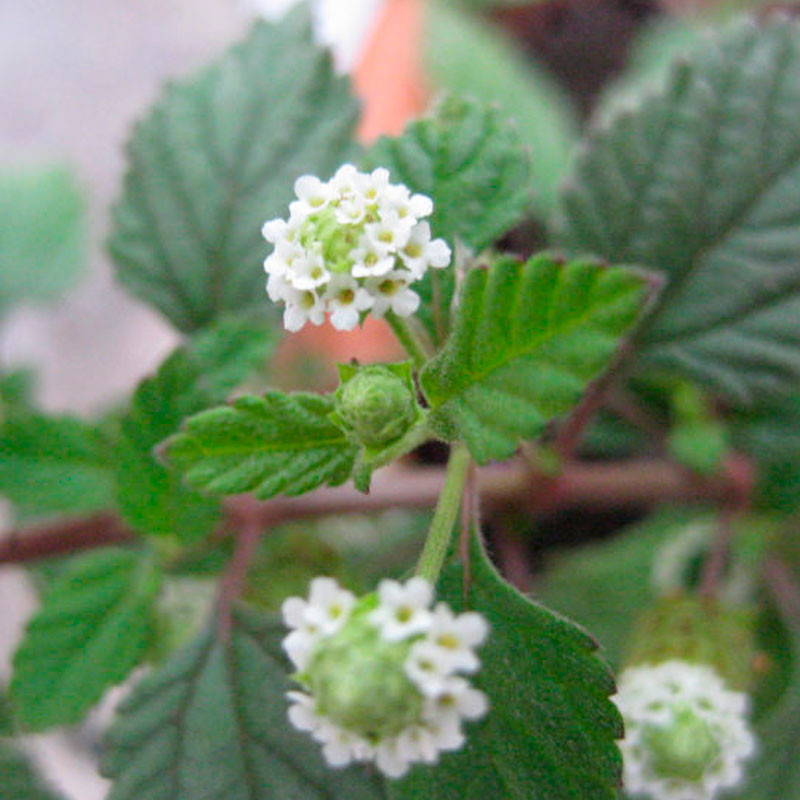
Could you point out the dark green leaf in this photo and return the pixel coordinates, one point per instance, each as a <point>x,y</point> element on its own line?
<point>217,157</point>
<point>54,464</point>
<point>6,719</point>
<point>775,771</point>
<point>43,232</point>
<point>194,377</point>
<point>526,341</point>
<point>18,779</point>
<point>606,585</point>
<point>268,445</point>
<point>92,630</point>
<point>211,725</point>
<point>703,181</point>
<point>16,392</point>
<point>505,78</point>
<point>473,165</point>
<point>550,731</point>
<point>770,434</point>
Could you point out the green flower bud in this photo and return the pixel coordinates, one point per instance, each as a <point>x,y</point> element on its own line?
<point>686,748</point>
<point>376,404</point>
<point>359,682</point>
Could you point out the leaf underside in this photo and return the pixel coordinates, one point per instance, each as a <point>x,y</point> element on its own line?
<point>91,630</point>
<point>211,725</point>
<point>703,182</point>
<point>217,157</point>
<point>527,340</point>
<point>19,781</point>
<point>550,730</point>
<point>272,444</point>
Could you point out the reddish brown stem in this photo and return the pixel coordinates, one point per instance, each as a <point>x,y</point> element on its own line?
<point>783,587</point>
<point>635,483</point>
<point>715,563</point>
<point>233,580</point>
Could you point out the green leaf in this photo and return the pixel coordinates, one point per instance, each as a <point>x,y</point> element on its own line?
<point>6,718</point>
<point>211,725</point>
<point>472,163</point>
<point>550,730</point>
<point>54,465</point>
<point>200,374</point>
<point>703,182</point>
<point>16,392</point>
<point>770,434</point>
<point>91,631</point>
<point>19,781</point>
<point>606,585</point>
<point>775,770</point>
<point>43,233</point>
<point>268,445</point>
<point>505,78</point>
<point>218,156</point>
<point>526,341</point>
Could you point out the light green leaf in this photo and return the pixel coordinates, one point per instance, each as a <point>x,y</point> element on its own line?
<point>16,392</point>
<point>153,499</point>
<point>218,156</point>
<point>212,725</point>
<point>91,631</point>
<point>54,465</point>
<point>550,730</point>
<point>527,340</point>
<point>268,445</point>
<point>703,182</point>
<point>505,78</point>
<point>472,163</point>
<point>43,233</point>
<point>19,780</point>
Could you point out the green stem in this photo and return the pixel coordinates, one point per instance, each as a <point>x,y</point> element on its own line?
<point>406,336</point>
<point>441,530</point>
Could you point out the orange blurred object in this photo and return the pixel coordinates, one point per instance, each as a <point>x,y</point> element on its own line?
<point>390,83</point>
<point>389,78</point>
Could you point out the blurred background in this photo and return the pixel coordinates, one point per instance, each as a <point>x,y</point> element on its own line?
<point>77,74</point>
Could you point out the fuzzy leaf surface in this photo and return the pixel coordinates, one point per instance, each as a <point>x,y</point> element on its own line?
<point>702,181</point>
<point>214,159</point>
<point>474,166</point>
<point>526,341</point>
<point>19,780</point>
<point>194,377</point>
<point>90,632</point>
<point>503,77</point>
<point>54,464</point>
<point>211,725</point>
<point>43,233</point>
<point>550,730</point>
<point>270,444</point>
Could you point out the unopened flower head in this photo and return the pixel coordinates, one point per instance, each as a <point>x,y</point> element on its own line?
<point>382,674</point>
<point>686,733</point>
<point>350,246</point>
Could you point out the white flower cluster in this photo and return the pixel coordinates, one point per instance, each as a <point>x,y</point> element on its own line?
<point>381,673</point>
<point>351,245</point>
<point>686,734</point>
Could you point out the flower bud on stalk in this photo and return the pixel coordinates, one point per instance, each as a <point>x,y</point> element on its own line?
<point>376,404</point>
<point>381,673</point>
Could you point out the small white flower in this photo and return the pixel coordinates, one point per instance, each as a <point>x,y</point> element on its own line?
<point>389,692</point>
<point>313,195</point>
<point>371,258</point>
<point>403,609</point>
<point>686,735</point>
<point>430,667</point>
<point>391,292</point>
<point>345,302</point>
<point>457,635</point>
<point>420,252</point>
<point>328,605</point>
<point>301,307</point>
<point>308,271</point>
<point>390,232</point>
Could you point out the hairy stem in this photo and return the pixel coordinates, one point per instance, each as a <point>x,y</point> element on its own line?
<point>407,337</point>
<point>438,541</point>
